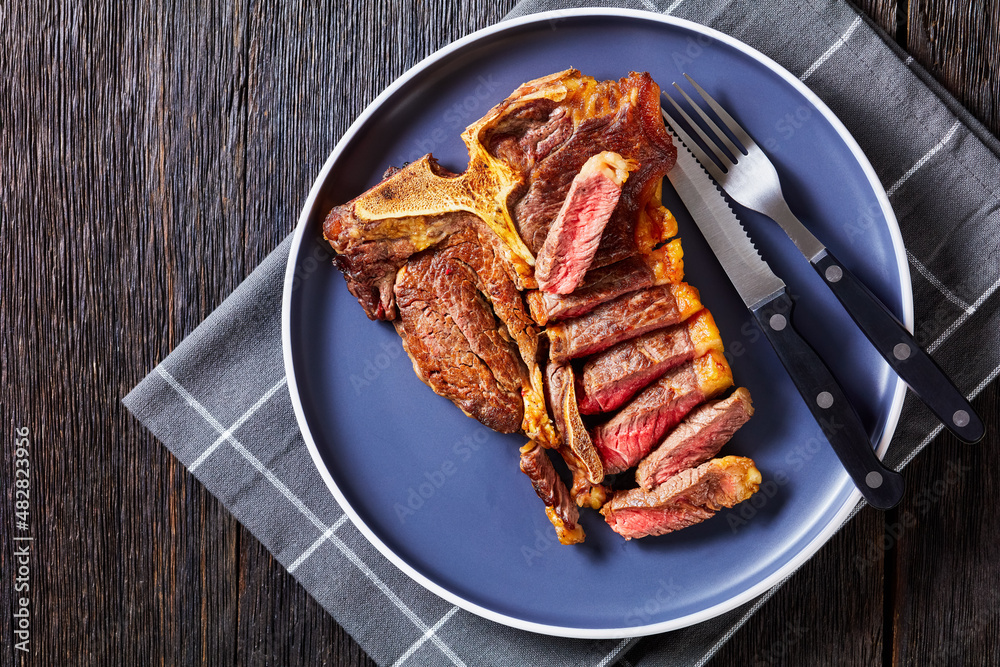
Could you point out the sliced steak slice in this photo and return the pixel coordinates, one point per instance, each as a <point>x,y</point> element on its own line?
<point>559,507</point>
<point>561,392</point>
<point>696,439</point>
<point>628,436</point>
<point>575,233</point>
<point>608,282</point>
<point>628,316</point>
<point>688,498</point>
<point>599,286</point>
<point>613,376</point>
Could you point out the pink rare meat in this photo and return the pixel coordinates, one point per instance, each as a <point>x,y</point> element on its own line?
<point>576,232</point>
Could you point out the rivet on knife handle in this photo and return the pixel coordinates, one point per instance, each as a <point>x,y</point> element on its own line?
<point>881,487</point>
<point>894,342</point>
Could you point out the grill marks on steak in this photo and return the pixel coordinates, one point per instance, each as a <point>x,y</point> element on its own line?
<point>449,300</point>
<point>628,316</point>
<point>610,378</point>
<point>688,498</point>
<point>631,433</point>
<point>695,440</point>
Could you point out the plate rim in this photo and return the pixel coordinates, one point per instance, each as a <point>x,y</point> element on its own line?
<point>804,554</point>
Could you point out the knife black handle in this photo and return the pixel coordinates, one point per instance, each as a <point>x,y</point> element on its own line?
<point>881,487</point>
<point>896,345</point>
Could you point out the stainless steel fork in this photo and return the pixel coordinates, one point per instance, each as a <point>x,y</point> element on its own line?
<point>748,176</point>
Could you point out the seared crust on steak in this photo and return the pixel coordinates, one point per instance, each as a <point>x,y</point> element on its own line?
<point>449,330</point>
<point>599,286</point>
<point>559,507</point>
<point>662,266</point>
<point>688,498</point>
<point>696,439</point>
<point>562,398</point>
<point>626,317</point>
<point>613,376</point>
<point>631,433</point>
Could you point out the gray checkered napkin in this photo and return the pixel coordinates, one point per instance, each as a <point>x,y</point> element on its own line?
<point>220,403</point>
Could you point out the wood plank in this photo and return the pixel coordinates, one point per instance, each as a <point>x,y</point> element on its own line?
<point>102,149</point>
<point>882,12</point>
<point>829,613</point>
<point>958,43</point>
<point>947,607</point>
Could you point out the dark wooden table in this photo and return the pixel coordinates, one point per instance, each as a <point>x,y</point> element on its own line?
<point>151,157</point>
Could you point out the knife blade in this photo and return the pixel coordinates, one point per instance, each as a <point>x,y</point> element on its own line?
<point>766,297</point>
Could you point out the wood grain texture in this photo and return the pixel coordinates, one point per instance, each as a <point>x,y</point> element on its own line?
<point>882,12</point>
<point>828,614</point>
<point>958,43</point>
<point>151,157</point>
<point>943,550</point>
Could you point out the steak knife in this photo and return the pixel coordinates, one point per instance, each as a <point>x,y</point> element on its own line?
<point>766,298</point>
<point>888,335</point>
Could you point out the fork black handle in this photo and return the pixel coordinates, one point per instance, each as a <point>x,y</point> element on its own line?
<point>896,345</point>
<point>881,487</point>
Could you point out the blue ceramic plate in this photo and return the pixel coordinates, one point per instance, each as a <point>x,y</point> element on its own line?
<point>442,497</point>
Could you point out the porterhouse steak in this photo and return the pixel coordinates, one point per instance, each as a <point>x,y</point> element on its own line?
<point>556,227</point>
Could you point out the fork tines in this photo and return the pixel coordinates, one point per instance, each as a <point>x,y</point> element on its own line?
<point>725,160</point>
